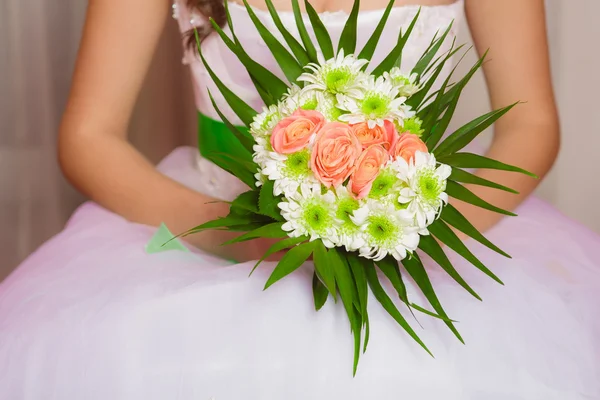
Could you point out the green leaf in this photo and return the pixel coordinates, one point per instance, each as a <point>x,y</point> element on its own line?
<point>445,235</point>
<point>459,175</point>
<point>294,45</point>
<point>369,49</point>
<point>415,269</point>
<point>431,52</point>
<point>265,78</point>
<point>418,99</point>
<point>270,231</point>
<point>320,31</point>
<point>448,101</point>
<point>244,112</point>
<point>222,222</point>
<point>279,246</point>
<point>291,261</point>
<point>320,292</point>
<point>357,267</point>
<point>247,201</point>
<point>390,269</point>
<point>267,201</point>
<point>246,140</point>
<point>469,160</point>
<point>465,134</point>
<point>306,40</point>
<point>396,54</point>
<point>349,295</point>
<point>324,268</point>
<point>430,313</point>
<point>235,166</point>
<point>289,65</point>
<point>460,192</point>
<point>389,306</point>
<point>453,217</point>
<point>347,41</point>
<point>432,248</point>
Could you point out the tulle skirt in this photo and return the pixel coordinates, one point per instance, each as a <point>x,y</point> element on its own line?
<point>91,315</point>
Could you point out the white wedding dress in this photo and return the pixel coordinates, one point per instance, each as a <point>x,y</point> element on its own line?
<point>91,315</point>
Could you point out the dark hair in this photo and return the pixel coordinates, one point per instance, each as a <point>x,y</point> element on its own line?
<point>210,9</point>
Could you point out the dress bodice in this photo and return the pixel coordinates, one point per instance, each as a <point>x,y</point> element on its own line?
<point>233,74</point>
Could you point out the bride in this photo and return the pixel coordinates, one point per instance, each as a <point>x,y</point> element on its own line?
<point>94,314</point>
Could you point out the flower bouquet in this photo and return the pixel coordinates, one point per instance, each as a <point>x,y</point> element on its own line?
<point>348,164</point>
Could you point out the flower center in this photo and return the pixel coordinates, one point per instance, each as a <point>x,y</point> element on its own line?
<point>375,105</point>
<point>382,230</point>
<point>346,208</point>
<point>429,187</point>
<point>316,217</point>
<point>337,79</point>
<point>297,165</point>
<point>310,104</point>
<point>412,125</point>
<point>382,185</point>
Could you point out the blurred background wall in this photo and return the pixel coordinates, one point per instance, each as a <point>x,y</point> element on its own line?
<point>38,45</point>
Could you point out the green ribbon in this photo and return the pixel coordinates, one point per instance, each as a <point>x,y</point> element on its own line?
<point>215,137</point>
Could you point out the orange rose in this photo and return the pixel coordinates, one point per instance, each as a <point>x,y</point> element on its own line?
<point>406,146</point>
<point>293,133</point>
<point>385,135</point>
<point>367,168</point>
<point>335,153</point>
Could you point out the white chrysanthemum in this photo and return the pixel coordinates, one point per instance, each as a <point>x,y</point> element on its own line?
<point>378,103</point>
<point>262,149</point>
<point>298,97</point>
<point>406,85</point>
<point>338,75</point>
<point>385,230</point>
<point>425,193</point>
<point>327,105</point>
<point>288,171</point>
<point>310,212</point>
<point>264,122</point>
<point>349,233</point>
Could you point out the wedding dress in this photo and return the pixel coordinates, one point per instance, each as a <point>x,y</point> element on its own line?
<point>93,315</point>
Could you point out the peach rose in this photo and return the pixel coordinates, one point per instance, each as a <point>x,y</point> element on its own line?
<point>335,153</point>
<point>385,135</point>
<point>406,146</point>
<point>367,168</point>
<point>293,133</point>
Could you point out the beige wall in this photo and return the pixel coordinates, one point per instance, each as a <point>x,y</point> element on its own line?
<point>573,185</point>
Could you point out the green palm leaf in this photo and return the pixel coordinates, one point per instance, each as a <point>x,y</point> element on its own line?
<point>347,41</point>
<point>389,306</point>
<point>414,267</point>
<point>459,175</point>
<point>295,46</point>
<point>291,261</point>
<point>271,231</point>
<point>432,248</point>
<point>288,64</point>
<point>469,160</point>
<point>453,217</point>
<point>279,246</point>
<point>460,192</point>
<point>267,201</point>
<point>445,235</point>
<point>369,49</point>
<point>306,40</point>
<point>320,31</point>
<point>266,80</point>
<point>396,54</point>
<point>320,292</point>
<point>465,134</point>
<point>244,138</point>
<point>324,268</point>
<point>430,53</point>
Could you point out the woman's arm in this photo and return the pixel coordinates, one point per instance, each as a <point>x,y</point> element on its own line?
<point>517,70</point>
<point>118,44</point>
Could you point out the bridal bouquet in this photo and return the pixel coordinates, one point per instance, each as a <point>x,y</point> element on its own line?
<point>346,164</point>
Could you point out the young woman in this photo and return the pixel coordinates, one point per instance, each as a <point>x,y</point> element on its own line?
<point>91,314</point>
